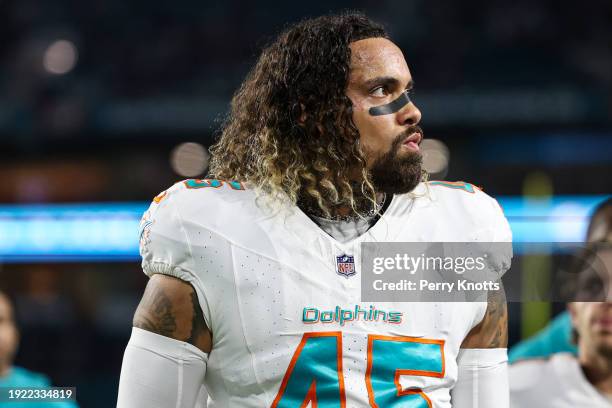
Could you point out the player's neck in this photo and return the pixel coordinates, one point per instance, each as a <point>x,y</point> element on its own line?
<point>597,369</point>
<point>344,212</point>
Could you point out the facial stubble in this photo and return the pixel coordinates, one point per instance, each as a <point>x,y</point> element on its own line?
<point>395,173</point>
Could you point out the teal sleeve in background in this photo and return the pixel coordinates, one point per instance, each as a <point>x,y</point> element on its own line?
<point>554,338</point>
<point>20,377</point>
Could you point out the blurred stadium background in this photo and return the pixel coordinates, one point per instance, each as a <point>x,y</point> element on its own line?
<point>106,103</point>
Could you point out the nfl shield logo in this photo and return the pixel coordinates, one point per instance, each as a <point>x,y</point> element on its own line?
<point>346,265</point>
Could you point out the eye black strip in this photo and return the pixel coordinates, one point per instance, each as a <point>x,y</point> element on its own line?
<point>392,106</point>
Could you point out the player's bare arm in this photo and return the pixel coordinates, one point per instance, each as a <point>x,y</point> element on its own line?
<point>492,331</point>
<point>170,307</point>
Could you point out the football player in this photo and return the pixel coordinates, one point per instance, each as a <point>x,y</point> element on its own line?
<point>254,283</point>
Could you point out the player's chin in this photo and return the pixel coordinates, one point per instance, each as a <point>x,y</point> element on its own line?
<point>409,162</point>
<point>402,181</point>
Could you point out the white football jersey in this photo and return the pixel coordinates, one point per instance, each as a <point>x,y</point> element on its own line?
<point>556,382</point>
<point>282,298</point>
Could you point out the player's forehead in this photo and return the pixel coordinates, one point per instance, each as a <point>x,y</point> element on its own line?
<point>377,57</point>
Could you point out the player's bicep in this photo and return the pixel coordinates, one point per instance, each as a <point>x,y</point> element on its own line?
<point>492,331</point>
<point>170,307</point>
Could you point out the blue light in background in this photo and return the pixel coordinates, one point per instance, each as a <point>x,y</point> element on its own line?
<point>70,232</point>
<point>558,219</point>
<point>109,231</point>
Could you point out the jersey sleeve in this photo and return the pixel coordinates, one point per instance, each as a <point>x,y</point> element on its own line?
<point>491,234</point>
<point>165,246</point>
<point>499,222</point>
<point>500,234</point>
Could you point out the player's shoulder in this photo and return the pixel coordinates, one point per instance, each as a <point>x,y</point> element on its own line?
<point>457,191</point>
<point>205,198</point>
<point>219,206</point>
<point>189,214</point>
<point>463,196</point>
<point>206,190</point>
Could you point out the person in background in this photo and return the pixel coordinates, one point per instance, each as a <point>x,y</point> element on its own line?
<point>12,376</point>
<point>564,380</point>
<point>557,336</point>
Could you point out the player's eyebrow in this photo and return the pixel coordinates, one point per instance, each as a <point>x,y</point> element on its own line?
<point>389,82</point>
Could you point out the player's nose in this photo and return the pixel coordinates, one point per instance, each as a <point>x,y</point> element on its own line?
<point>409,115</point>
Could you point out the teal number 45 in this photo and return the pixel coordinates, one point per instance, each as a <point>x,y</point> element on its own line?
<point>315,372</point>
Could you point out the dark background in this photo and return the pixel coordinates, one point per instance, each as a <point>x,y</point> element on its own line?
<point>520,93</point>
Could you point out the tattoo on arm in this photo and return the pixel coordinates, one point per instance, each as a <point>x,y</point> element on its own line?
<point>492,331</point>
<point>497,314</point>
<point>155,313</point>
<point>198,325</point>
<point>170,307</point>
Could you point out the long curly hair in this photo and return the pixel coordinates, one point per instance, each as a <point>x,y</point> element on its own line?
<point>290,130</point>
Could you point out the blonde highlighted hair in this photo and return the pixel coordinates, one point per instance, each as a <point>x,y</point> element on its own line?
<point>290,131</point>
